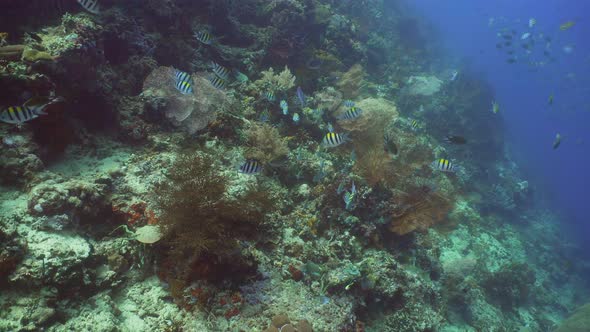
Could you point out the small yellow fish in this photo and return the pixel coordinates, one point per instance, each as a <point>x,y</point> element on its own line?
<point>566,25</point>
<point>550,101</point>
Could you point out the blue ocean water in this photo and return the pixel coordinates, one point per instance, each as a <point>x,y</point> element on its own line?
<point>469,31</point>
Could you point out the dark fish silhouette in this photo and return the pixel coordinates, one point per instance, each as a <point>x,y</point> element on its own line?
<point>454,139</point>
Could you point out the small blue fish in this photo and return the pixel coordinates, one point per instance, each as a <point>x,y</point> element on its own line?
<point>264,117</point>
<point>204,37</point>
<point>353,156</point>
<point>340,188</point>
<point>349,197</point>
<point>296,118</point>
<point>250,166</point>
<point>301,96</point>
<point>240,77</point>
<point>330,127</point>
<point>284,107</point>
<point>220,70</point>
<point>351,114</point>
<point>348,103</point>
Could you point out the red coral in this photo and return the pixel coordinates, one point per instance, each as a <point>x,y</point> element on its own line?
<point>296,274</point>
<point>232,312</point>
<point>236,298</point>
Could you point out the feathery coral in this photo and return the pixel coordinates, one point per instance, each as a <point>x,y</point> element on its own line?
<point>198,218</point>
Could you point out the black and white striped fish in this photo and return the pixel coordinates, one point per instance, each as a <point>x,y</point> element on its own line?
<point>220,70</point>
<point>21,114</point>
<point>351,114</point>
<point>445,165</point>
<point>217,82</point>
<point>204,37</point>
<point>250,166</point>
<point>334,139</point>
<point>184,82</point>
<point>91,6</point>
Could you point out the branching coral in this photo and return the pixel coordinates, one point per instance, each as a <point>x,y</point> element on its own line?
<point>419,209</point>
<point>199,221</point>
<point>265,143</point>
<point>271,82</point>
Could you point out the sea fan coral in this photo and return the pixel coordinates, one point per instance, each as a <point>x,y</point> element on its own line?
<point>424,85</point>
<point>351,81</point>
<point>419,209</point>
<point>192,112</point>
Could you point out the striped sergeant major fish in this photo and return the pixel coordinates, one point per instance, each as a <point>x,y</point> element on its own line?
<point>184,82</point>
<point>415,124</point>
<point>204,37</point>
<point>220,70</point>
<point>270,96</point>
<point>334,139</point>
<point>445,165</point>
<point>250,166</point>
<point>350,114</point>
<point>21,114</point>
<point>217,82</point>
<point>91,6</point>
<point>348,103</point>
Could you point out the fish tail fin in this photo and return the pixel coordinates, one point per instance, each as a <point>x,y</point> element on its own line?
<point>40,110</point>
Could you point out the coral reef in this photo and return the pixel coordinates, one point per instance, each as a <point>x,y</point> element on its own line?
<point>123,208</point>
